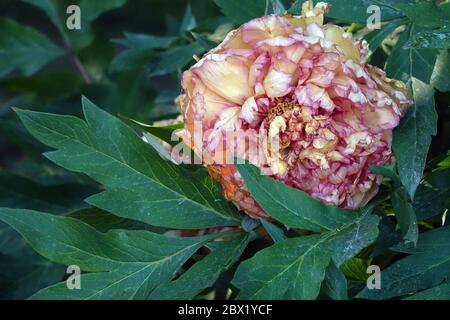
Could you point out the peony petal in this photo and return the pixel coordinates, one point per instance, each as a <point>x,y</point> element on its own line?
<point>277,83</point>
<point>226,75</point>
<point>265,27</point>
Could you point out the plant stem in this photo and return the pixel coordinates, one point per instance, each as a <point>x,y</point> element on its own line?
<point>83,72</point>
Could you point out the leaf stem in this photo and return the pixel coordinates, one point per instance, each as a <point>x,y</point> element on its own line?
<point>83,72</point>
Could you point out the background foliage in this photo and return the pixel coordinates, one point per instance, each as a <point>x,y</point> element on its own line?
<point>83,188</point>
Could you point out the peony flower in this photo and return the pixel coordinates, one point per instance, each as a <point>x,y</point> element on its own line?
<point>305,87</point>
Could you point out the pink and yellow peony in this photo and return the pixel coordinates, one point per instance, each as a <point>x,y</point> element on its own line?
<point>305,86</point>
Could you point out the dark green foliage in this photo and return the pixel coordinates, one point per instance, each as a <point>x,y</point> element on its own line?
<point>79,184</point>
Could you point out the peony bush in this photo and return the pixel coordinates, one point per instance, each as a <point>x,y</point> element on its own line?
<point>255,150</point>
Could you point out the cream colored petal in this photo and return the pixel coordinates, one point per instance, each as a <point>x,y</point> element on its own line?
<point>226,75</point>
<point>277,83</point>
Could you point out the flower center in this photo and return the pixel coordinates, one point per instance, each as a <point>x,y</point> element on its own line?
<point>302,134</point>
<point>282,108</point>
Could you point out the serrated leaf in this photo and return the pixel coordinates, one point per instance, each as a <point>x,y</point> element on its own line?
<point>295,268</point>
<point>290,206</point>
<point>291,269</point>
<point>140,184</point>
<point>24,49</point>
<point>412,137</point>
<point>125,264</point>
<point>204,273</point>
<point>335,284</point>
<point>242,11</point>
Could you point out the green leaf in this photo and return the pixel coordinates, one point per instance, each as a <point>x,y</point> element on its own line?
<point>433,195</point>
<point>129,96</point>
<point>415,272</point>
<point>440,79</point>
<point>350,239</point>
<point>56,10</point>
<point>412,137</point>
<point>376,37</point>
<point>19,192</point>
<point>431,39</point>
<point>277,7</point>
<point>104,221</point>
<point>335,284</point>
<point>25,273</point>
<point>24,49</point>
<point>403,209</point>
<point>295,268</point>
<point>290,206</point>
<point>204,273</point>
<point>445,163</point>
<point>405,63</point>
<point>45,86</point>
<point>424,13</point>
<point>174,59</point>
<point>435,240</point>
<point>406,217</point>
<point>97,57</point>
<point>93,9</point>
<point>291,269</point>
<point>441,292</point>
<point>275,232</point>
<point>140,184</point>
<point>356,269</point>
<point>139,50</point>
<point>353,10</point>
<point>144,41</point>
<point>164,133</point>
<point>242,11</point>
<point>125,264</point>
<point>188,23</point>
